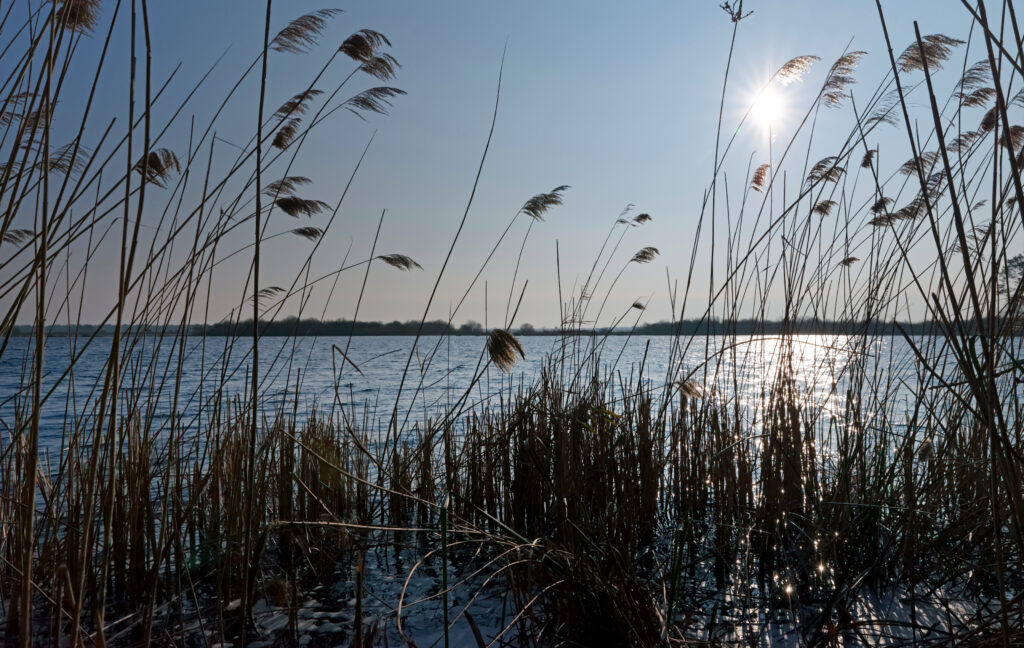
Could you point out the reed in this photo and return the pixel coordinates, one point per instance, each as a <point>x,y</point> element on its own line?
<point>849,492</point>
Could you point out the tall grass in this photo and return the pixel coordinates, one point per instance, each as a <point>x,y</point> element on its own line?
<point>847,491</point>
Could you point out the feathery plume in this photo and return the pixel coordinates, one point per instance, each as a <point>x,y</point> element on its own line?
<point>646,255</point>
<point>760,177</point>
<point>826,170</point>
<point>881,205</point>
<point>537,206</point>
<point>886,112</point>
<point>285,185</point>
<point>399,261</point>
<point>376,100</point>
<point>157,166</point>
<point>382,67</point>
<point>502,347</point>
<point>362,45</point>
<point>824,207</point>
<point>18,236</point>
<point>300,34</point>
<point>976,98</point>
<point>297,105</point>
<point>1012,138</point>
<point>927,161</point>
<point>295,206</point>
<point>869,157</point>
<point>638,305</point>
<point>975,76</point>
<point>68,160</point>
<point>934,49</point>
<point>640,219</point>
<point>286,134</point>
<point>848,261</point>
<point>795,68</point>
<point>963,142</point>
<point>308,233</point>
<point>79,15</point>
<point>839,77</point>
<point>689,388</point>
<point>988,122</point>
<point>267,293</point>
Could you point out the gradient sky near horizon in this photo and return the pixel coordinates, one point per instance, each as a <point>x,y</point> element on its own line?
<point>617,100</point>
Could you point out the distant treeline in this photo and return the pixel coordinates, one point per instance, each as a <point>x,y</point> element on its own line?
<point>311,327</point>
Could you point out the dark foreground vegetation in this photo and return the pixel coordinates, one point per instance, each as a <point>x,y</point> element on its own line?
<point>598,506</point>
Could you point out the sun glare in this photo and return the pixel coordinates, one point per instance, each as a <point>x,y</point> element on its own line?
<point>768,108</point>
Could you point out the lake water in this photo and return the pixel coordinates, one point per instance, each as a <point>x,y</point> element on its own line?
<point>439,374</point>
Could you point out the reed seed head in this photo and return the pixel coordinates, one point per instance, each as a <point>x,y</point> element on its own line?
<point>300,35</point>
<point>539,205</point>
<point>645,255</point>
<point>502,348</point>
<point>399,261</point>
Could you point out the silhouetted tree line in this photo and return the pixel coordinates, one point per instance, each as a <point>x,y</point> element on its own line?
<point>311,327</point>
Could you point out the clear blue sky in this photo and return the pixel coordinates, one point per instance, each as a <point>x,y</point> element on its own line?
<point>618,100</point>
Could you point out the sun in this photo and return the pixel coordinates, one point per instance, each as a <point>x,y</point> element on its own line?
<point>769,108</point>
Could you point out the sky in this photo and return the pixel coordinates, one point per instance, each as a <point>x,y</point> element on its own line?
<point>617,100</point>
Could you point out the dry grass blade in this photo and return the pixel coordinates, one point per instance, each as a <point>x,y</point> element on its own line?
<point>297,105</point>
<point>760,177</point>
<point>286,134</point>
<point>839,77</point>
<point>646,255</point>
<point>399,261</point>
<point>795,68</point>
<point>934,49</point>
<point>502,348</point>
<point>300,34</point>
<point>824,207</point>
<point>309,233</point>
<point>375,100</point>
<point>79,15</point>
<point>158,165</point>
<point>362,45</point>
<point>868,159</point>
<point>285,185</point>
<point>848,261</point>
<point>537,206</point>
<point>295,206</point>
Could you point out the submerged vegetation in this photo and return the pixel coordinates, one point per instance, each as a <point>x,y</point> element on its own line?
<point>596,505</point>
